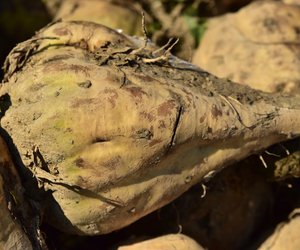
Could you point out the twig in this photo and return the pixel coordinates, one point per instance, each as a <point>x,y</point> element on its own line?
<point>263,161</point>
<point>136,51</point>
<point>235,110</point>
<point>272,154</point>
<point>163,47</point>
<point>164,57</point>
<point>177,219</point>
<point>204,190</point>
<point>285,149</point>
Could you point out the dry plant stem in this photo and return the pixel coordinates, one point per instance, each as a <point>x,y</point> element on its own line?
<point>118,137</point>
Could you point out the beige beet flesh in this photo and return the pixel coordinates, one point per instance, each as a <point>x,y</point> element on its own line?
<point>286,234</point>
<point>116,133</point>
<point>127,12</point>
<point>166,242</point>
<point>258,46</point>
